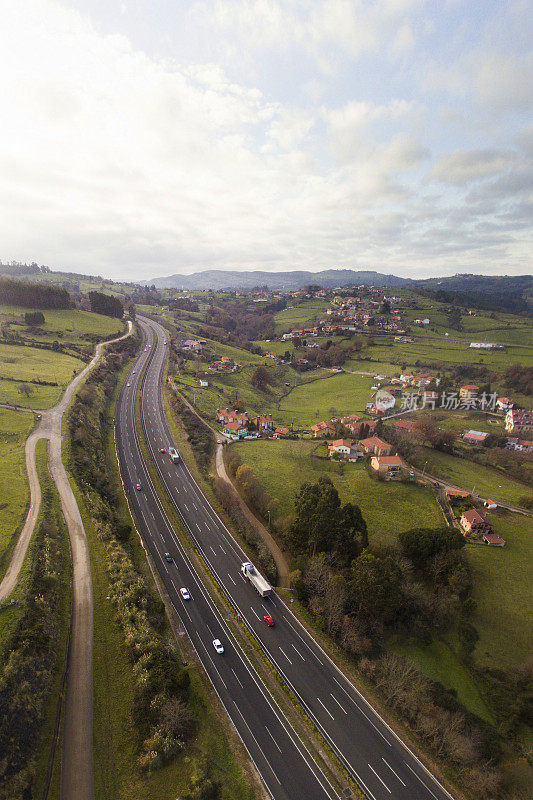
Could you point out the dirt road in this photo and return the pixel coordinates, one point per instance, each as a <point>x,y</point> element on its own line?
<point>77,774</point>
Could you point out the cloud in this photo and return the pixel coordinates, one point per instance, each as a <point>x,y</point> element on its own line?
<point>463,167</point>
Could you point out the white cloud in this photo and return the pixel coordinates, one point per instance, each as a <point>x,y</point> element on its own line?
<point>463,167</point>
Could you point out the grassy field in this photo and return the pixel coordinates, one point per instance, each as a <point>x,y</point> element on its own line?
<point>282,466</point>
<point>335,396</point>
<point>503,592</point>
<point>440,663</point>
<point>448,354</point>
<point>485,481</point>
<point>299,316</point>
<point>32,363</point>
<point>15,426</point>
<point>69,326</point>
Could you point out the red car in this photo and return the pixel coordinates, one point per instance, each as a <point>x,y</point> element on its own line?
<point>162,450</point>
<point>269,621</point>
<point>138,487</point>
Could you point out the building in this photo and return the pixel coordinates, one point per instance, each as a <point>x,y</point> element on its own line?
<point>339,446</point>
<point>504,403</point>
<point>351,419</point>
<point>322,430</point>
<point>474,437</point>
<point>375,446</point>
<point>203,382</point>
<point>388,466</point>
<point>264,423</point>
<point>280,433</point>
<point>472,522</point>
<point>486,346</point>
<point>193,345</point>
<point>493,539</point>
<point>406,425</point>
<point>517,421</point>
<point>469,391</point>
<point>236,430</point>
<point>225,415</point>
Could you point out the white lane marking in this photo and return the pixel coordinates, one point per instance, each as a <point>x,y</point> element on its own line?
<point>421,781</point>
<point>286,656</point>
<point>237,678</point>
<point>257,743</point>
<point>325,709</point>
<point>271,736</point>
<point>197,526</point>
<point>231,579</point>
<point>380,779</point>
<point>257,615</point>
<point>301,656</point>
<point>185,504</point>
<point>174,585</point>
<point>341,708</point>
<point>222,549</point>
<point>358,707</point>
<point>393,772</point>
<point>213,549</point>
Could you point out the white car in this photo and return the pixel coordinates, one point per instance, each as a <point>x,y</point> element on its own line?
<point>219,647</point>
<point>184,593</point>
<point>129,384</point>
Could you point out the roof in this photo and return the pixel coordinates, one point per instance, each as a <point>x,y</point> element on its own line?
<point>406,424</point>
<point>473,516</point>
<point>475,436</point>
<point>493,538</point>
<point>457,493</point>
<point>389,461</point>
<point>234,426</point>
<point>281,430</point>
<point>470,387</point>
<point>320,426</point>
<point>374,441</point>
<point>341,443</point>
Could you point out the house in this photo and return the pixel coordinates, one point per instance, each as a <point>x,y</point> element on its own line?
<point>504,403</point>
<point>350,419</point>
<point>368,426</point>
<point>406,425</point>
<point>407,377</point>
<point>388,466</point>
<point>518,420</point>
<point>340,446</point>
<point>459,493</point>
<point>376,446</point>
<point>322,429</point>
<point>423,379</point>
<point>203,382</point>
<point>193,345</point>
<point>493,539</point>
<point>474,437</point>
<point>472,522</point>
<point>490,504</point>
<point>280,433</point>
<point>225,415</point>
<point>236,430</point>
<point>264,423</point>
<point>469,391</point>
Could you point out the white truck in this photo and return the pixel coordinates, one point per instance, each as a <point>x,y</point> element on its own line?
<point>257,580</point>
<point>174,455</point>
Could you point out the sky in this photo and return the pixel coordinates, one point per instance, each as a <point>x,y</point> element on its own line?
<point>149,137</point>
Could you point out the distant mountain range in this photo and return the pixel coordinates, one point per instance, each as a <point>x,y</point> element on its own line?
<point>296,279</point>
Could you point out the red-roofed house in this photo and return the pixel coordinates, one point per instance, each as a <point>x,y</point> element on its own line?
<point>469,391</point>
<point>504,403</point>
<point>376,446</point>
<point>388,466</point>
<point>474,437</point>
<point>264,423</point>
<point>407,425</point>
<point>279,433</point>
<point>342,446</point>
<point>322,429</point>
<point>225,415</point>
<point>236,430</point>
<point>493,539</point>
<point>473,522</point>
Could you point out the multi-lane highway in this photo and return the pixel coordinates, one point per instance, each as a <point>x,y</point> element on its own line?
<point>378,761</point>
<point>286,768</point>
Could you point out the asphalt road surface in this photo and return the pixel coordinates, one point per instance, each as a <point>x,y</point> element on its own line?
<point>376,758</point>
<point>286,768</point>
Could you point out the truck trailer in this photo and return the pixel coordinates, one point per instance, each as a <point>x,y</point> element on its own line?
<point>174,455</point>
<point>257,580</point>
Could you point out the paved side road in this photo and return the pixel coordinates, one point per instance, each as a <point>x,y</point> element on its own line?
<point>77,773</point>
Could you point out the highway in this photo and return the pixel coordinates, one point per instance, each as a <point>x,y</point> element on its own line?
<point>376,758</point>
<point>286,768</point>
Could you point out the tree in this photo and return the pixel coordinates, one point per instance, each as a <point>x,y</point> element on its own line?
<point>34,318</point>
<point>376,587</point>
<point>25,389</point>
<point>421,545</point>
<point>260,377</point>
<point>385,307</point>
<point>106,304</point>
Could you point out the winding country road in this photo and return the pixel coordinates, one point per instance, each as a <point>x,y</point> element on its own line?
<point>77,774</point>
